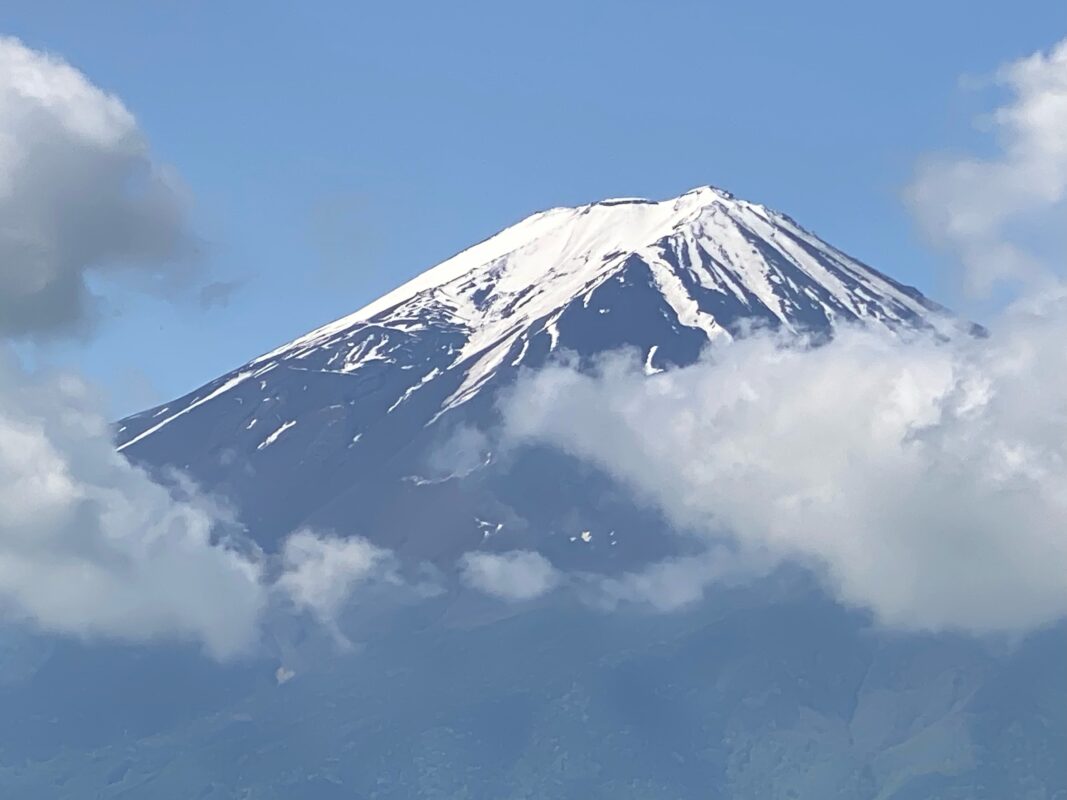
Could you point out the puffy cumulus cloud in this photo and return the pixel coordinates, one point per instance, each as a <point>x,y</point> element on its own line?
<point>79,193</point>
<point>91,546</point>
<point>983,208</point>
<point>513,575</point>
<point>926,479</point>
<point>321,571</point>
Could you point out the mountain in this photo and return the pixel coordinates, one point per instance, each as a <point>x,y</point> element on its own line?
<point>337,429</point>
<point>370,425</point>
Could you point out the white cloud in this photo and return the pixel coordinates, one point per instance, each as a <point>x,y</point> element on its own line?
<point>673,583</point>
<point>925,479</point>
<point>322,571</point>
<point>976,206</point>
<point>91,546</point>
<point>79,194</point>
<point>514,575</point>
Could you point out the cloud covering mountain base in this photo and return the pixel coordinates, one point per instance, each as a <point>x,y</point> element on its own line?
<point>924,478</point>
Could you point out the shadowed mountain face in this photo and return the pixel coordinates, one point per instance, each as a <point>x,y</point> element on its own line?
<point>766,690</point>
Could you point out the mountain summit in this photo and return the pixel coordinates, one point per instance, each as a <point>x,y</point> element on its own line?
<point>343,417</point>
<point>709,259</point>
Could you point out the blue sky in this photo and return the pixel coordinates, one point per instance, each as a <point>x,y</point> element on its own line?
<point>334,151</point>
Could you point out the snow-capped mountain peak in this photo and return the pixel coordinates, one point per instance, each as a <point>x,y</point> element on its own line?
<point>541,262</point>
<point>707,253</point>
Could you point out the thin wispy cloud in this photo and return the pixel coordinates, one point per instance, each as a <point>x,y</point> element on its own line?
<point>988,210</point>
<point>218,294</point>
<point>513,575</point>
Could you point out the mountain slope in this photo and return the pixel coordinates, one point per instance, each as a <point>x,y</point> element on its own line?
<point>344,417</point>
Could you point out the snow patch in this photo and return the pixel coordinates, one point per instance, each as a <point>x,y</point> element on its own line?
<point>650,369</point>
<point>429,376</point>
<point>274,436</point>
